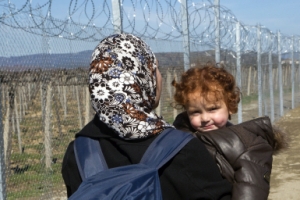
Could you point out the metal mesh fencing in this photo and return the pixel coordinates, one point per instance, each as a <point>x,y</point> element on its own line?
<point>44,63</point>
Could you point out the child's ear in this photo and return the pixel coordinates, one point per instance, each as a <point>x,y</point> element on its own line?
<point>229,115</point>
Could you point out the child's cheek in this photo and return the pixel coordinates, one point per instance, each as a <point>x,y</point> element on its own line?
<point>221,122</point>
<point>195,123</point>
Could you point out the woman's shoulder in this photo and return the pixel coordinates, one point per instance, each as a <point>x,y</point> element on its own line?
<point>194,151</point>
<point>69,155</point>
<point>182,122</point>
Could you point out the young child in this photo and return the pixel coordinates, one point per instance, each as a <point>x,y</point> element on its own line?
<point>243,152</point>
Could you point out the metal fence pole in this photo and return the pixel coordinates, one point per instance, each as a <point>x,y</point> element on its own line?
<point>293,74</point>
<point>2,157</point>
<point>298,47</point>
<point>298,55</point>
<point>185,35</point>
<point>2,160</point>
<point>298,67</point>
<point>259,71</point>
<point>217,30</point>
<point>280,76</point>
<point>271,84</point>
<point>117,17</point>
<point>238,67</point>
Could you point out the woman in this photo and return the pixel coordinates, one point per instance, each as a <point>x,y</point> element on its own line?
<point>125,87</point>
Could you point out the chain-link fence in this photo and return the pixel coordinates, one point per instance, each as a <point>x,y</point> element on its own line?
<point>44,65</point>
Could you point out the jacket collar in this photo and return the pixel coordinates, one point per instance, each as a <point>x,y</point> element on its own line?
<point>96,129</point>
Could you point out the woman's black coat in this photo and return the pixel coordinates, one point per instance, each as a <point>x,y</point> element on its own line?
<point>191,174</point>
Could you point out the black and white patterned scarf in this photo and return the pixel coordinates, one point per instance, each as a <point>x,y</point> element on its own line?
<point>123,86</point>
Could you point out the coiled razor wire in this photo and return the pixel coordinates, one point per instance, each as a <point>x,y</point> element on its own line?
<point>91,20</point>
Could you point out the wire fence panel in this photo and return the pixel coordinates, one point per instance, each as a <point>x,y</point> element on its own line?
<point>44,61</point>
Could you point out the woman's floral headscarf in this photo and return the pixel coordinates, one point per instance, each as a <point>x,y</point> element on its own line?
<point>123,86</point>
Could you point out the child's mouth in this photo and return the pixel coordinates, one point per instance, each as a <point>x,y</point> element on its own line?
<point>208,127</point>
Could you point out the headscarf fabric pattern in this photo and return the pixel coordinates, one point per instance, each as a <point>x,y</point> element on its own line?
<point>122,84</point>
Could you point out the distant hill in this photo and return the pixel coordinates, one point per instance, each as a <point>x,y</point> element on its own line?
<point>75,60</point>
<point>288,56</point>
<point>66,60</point>
<point>82,59</point>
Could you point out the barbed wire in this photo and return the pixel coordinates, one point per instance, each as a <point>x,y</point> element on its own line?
<point>92,20</point>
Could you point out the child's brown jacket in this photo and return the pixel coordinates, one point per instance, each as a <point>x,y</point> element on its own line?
<point>243,153</point>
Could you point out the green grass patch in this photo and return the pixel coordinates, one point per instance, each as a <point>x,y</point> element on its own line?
<point>248,99</point>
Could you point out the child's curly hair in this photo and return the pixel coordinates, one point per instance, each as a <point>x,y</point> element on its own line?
<point>206,80</point>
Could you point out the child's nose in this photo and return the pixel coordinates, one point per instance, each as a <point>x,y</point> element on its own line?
<point>204,117</point>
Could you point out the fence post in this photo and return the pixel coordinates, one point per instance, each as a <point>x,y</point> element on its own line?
<point>87,105</point>
<point>47,128</point>
<point>299,64</point>
<point>298,76</point>
<point>271,84</point>
<point>2,157</point>
<point>117,18</point>
<point>293,74</point>
<point>280,76</point>
<point>217,30</point>
<point>2,160</point>
<point>173,90</point>
<point>238,68</point>
<point>259,71</point>
<point>185,35</point>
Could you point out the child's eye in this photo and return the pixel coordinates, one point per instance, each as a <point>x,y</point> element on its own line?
<point>213,108</point>
<point>193,113</point>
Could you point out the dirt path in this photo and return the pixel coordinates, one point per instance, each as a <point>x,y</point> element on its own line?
<point>285,178</point>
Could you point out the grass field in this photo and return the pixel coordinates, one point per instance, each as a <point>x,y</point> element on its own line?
<point>27,176</point>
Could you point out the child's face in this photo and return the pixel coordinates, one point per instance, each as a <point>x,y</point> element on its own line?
<point>206,116</point>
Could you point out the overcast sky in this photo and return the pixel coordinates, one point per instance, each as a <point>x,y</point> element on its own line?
<point>276,15</point>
